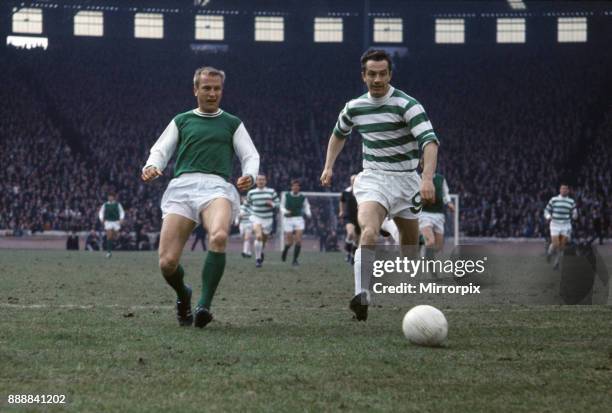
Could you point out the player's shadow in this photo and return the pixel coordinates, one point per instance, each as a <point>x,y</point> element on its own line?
<point>584,276</point>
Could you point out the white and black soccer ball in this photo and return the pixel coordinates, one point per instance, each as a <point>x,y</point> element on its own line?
<point>425,325</point>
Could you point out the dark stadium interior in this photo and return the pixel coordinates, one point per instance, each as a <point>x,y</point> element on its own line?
<point>505,309</point>
<point>79,118</point>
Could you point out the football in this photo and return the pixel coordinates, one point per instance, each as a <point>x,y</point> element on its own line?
<point>425,325</point>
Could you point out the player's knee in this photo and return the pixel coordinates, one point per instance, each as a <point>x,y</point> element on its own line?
<point>430,243</point>
<point>368,236</point>
<point>168,264</point>
<point>219,238</point>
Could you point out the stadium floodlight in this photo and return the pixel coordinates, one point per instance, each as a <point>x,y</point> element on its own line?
<point>571,29</point>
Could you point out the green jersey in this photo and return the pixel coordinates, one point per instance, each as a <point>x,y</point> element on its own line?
<point>261,202</point>
<point>442,196</point>
<point>394,128</point>
<point>205,143</point>
<point>111,211</point>
<point>296,205</point>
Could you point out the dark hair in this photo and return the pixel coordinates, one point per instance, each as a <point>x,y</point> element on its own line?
<point>377,55</point>
<point>295,181</point>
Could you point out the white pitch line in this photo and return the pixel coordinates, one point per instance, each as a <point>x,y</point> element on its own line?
<point>137,307</point>
<point>263,309</point>
<point>83,307</point>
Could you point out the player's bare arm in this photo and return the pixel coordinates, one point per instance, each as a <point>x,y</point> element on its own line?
<point>333,150</point>
<point>430,159</point>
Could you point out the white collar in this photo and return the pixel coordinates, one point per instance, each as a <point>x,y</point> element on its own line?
<point>207,115</point>
<point>382,98</point>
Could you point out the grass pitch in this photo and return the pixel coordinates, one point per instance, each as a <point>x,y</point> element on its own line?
<point>103,333</point>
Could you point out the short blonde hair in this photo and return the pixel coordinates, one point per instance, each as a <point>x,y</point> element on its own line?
<point>207,70</point>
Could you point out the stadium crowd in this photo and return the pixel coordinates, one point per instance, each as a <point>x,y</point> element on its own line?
<point>78,122</point>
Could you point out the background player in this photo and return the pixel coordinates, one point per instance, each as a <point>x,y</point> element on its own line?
<point>261,202</point>
<point>111,214</point>
<point>245,227</point>
<point>394,127</point>
<point>560,211</point>
<point>200,236</point>
<point>431,218</point>
<point>348,213</point>
<point>205,140</point>
<point>296,205</point>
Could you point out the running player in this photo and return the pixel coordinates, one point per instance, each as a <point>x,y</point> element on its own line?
<point>261,202</point>
<point>560,211</point>
<point>296,205</point>
<point>246,228</point>
<point>395,129</point>
<point>348,213</point>
<point>431,218</point>
<point>205,140</point>
<point>111,214</point>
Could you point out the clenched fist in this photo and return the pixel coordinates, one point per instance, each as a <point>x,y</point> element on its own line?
<point>150,173</point>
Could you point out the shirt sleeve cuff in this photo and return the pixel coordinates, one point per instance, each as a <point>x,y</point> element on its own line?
<point>338,134</point>
<point>428,140</point>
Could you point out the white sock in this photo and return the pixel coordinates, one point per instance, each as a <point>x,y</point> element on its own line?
<point>558,256</point>
<point>258,249</point>
<point>362,281</point>
<point>246,247</point>
<point>551,249</point>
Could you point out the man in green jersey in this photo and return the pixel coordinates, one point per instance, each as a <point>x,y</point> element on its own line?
<point>205,140</point>
<point>111,214</point>
<point>295,206</point>
<point>395,129</point>
<point>431,218</point>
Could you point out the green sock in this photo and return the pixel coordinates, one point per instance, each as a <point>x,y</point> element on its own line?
<point>430,253</point>
<point>211,275</point>
<point>285,251</point>
<point>109,244</point>
<point>296,251</point>
<point>176,282</point>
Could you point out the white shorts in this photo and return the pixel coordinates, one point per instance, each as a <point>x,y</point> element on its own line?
<point>434,220</point>
<point>560,229</point>
<point>291,224</point>
<point>112,226</point>
<point>266,223</point>
<point>190,193</point>
<point>398,192</point>
<point>245,228</point>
